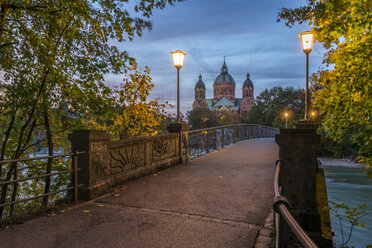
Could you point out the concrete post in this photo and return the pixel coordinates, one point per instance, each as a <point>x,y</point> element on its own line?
<point>94,164</point>
<point>183,140</point>
<point>298,151</point>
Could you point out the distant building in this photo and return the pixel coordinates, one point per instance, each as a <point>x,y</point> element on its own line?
<point>224,95</point>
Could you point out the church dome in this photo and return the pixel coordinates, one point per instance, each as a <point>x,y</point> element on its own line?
<point>200,83</point>
<point>248,82</point>
<point>224,76</point>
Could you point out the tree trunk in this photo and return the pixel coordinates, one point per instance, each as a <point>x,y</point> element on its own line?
<point>6,138</point>
<point>50,160</point>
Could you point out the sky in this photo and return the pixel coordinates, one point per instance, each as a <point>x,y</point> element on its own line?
<point>245,31</point>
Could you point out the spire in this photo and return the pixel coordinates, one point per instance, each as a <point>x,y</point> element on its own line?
<point>248,76</point>
<point>200,76</point>
<point>224,66</point>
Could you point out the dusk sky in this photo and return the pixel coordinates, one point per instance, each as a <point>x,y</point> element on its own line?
<point>245,31</point>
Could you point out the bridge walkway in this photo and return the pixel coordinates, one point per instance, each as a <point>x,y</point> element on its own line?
<point>222,199</point>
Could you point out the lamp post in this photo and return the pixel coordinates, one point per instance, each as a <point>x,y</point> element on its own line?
<point>286,118</point>
<point>178,57</point>
<point>307,39</point>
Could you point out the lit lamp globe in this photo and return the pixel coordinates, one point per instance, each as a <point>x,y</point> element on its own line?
<point>307,40</point>
<point>178,57</point>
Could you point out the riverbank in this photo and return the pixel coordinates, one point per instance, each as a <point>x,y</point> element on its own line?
<point>339,162</point>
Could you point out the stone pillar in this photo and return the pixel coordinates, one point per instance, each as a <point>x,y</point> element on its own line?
<point>182,140</point>
<point>93,165</point>
<point>298,151</point>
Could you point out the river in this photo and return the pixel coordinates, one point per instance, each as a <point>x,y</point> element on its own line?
<point>346,183</point>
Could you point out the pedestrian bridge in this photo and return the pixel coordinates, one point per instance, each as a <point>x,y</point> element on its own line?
<point>221,199</point>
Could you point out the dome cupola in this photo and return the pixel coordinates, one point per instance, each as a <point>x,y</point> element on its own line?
<point>224,85</point>
<point>248,83</point>
<point>200,83</point>
<point>224,76</point>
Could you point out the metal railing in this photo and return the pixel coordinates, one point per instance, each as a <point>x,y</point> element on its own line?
<point>203,141</point>
<point>74,183</point>
<point>283,218</point>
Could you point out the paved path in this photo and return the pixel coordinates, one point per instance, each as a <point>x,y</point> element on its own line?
<point>220,200</point>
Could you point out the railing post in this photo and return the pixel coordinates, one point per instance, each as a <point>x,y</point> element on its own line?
<point>215,138</point>
<point>76,194</point>
<point>223,138</point>
<point>233,135</point>
<point>207,142</point>
<point>282,229</point>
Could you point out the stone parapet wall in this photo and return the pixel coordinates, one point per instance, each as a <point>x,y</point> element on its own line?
<point>108,163</point>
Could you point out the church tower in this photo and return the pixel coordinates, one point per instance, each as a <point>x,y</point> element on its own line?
<point>224,86</point>
<point>247,96</point>
<point>199,101</point>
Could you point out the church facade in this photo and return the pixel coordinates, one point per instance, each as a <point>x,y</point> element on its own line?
<point>224,99</point>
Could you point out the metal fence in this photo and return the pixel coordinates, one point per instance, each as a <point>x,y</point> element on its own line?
<point>284,219</point>
<point>203,141</point>
<point>15,162</point>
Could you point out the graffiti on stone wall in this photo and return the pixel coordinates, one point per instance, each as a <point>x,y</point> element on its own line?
<point>160,149</point>
<point>98,159</point>
<point>126,158</point>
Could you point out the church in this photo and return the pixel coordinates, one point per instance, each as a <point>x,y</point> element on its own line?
<point>224,95</point>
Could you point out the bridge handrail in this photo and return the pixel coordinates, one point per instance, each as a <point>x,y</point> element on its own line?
<point>74,186</point>
<point>229,126</point>
<point>280,206</point>
<point>203,141</point>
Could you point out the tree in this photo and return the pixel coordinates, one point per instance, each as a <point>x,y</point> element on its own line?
<point>55,53</point>
<point>343,93</point>
<point>130,113</point>
<point>199,118</point>
<point>271,105</point>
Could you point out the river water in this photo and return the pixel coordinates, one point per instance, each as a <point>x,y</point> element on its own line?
<point>349,185</point>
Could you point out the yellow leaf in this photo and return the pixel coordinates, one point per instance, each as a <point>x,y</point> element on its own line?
<point>86,211</point>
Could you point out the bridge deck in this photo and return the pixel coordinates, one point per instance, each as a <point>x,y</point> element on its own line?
<point>219,200</point>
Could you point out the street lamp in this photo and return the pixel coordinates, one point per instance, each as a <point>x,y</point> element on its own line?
<point>178,57</point>
<point>286,118</point>
<point>307,39</point>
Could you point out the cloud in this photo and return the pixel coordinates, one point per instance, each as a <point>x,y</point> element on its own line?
<point>244,31</point>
